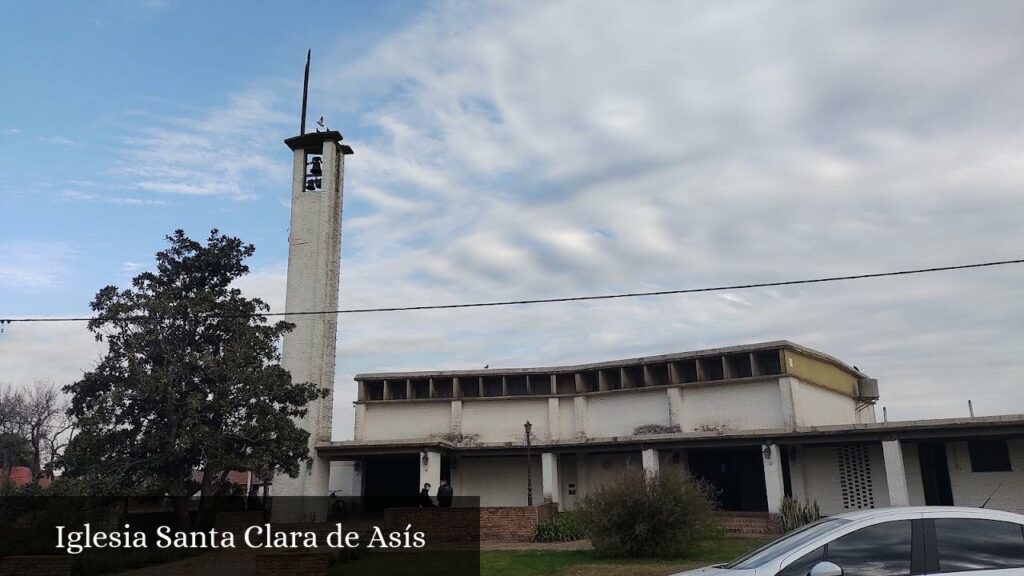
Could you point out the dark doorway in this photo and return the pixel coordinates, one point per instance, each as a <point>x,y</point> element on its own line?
<point>787,474</point>
<point>446,468</point>
<point>737,474</point>
<point>391,481</point>
<point>935,473</point>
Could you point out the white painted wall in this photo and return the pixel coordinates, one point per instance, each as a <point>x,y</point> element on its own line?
<point>398,420</point>
<point>605,468</point>
<point>618,414</point>
<point>745,406</point>
<point>912,467</point>
<point>737,406</point>
<point>973,488</point>
<point>821,478</point>
<point>502,420</point>
<point>816,406</point>
<point>867,415</point>
<point>567,426</point>
<point>342,476</point>
<point>497,481</point>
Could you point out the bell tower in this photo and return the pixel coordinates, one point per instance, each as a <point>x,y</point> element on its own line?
<point>314,262</point>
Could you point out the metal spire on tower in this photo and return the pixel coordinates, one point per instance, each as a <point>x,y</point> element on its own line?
<point>305,93</point>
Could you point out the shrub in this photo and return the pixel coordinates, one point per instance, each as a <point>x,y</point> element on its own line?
<point>794,514</point>
<point>662,515</point>
<point>564,527</point>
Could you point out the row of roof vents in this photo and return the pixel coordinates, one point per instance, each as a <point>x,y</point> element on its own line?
<point>518,383</point>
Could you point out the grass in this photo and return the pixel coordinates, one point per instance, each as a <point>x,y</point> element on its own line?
<point>544,562</point>
<point>579,563</point>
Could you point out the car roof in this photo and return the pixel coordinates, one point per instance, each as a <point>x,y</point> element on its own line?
<point>931,510</point>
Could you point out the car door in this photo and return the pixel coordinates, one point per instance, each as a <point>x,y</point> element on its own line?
<point>883,549</point>
<point>976,545</point>
<point>891,547</point>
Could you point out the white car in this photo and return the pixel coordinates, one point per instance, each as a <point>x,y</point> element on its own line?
<point>891,542</point>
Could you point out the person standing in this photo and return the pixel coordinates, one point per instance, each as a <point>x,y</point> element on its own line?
<point>444,494</point>
<point>425,501</point>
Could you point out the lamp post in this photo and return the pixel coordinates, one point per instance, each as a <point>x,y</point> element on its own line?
<point>529,475</point>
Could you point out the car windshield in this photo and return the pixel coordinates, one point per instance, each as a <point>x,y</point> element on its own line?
<point>786,544</point>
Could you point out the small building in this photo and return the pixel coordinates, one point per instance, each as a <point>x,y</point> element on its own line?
<point>21,476</point>
<point>759,422</point>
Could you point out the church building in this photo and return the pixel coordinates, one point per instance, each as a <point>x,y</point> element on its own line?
<point>759,422</point>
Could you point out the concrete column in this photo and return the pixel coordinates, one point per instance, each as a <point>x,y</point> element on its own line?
<point>357,478</point>
<point>675,407</point>
<point>895,475</point>
<point>579,415</point>
<point>788,403</point>
<point>582,461</point>
<point>456,418</point>
<point>554,421</point>
<point>431,471</point>
<point>360,422</point>
<point>551,489</point>
<point>651,463</point>
<point>773,485</point>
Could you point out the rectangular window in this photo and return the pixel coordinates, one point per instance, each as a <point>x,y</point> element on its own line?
<point>879,550</point>
<point>802,565</point>
<point>989,455</point>
<point>975,544</point>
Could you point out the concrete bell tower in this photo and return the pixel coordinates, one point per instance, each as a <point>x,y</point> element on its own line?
<point>314,263</point>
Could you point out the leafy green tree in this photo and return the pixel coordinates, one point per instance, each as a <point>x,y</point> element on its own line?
<point>14,451</point>
<point>191,382</point>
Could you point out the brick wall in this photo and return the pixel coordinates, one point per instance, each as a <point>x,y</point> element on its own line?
<point>488,524</point>
<point>35,566</point>
<point>439,524</point>
<point>513,524</point>
<point>289,563</point>
<point>750,523</point>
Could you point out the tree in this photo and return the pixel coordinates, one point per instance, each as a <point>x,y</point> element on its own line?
<point>45,425</point>
<point>15,449</point>
<point>191,381</point>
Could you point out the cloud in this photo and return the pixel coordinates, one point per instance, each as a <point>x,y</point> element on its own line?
<point>224,152</point>
<point>27,265</point>
<point>12,131</point>
<point>76,196</point>
<point>59,140</point>
<point>521,150</point>
<point>132,267</point>
<point>60,352</point>
<point>588,147</point>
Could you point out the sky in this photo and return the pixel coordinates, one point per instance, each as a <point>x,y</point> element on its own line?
<point>510,150</point>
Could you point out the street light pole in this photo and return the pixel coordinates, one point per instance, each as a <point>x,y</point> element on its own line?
<point>529,475</point>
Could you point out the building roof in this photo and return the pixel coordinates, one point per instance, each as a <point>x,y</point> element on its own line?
<point>1009,425</point>
<point>745,348</point>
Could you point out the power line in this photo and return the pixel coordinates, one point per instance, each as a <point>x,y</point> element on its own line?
<point>567,299</point>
